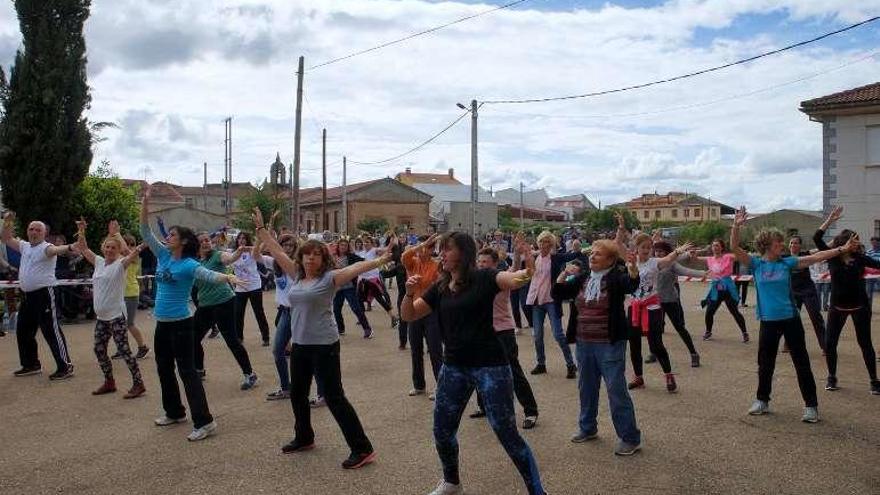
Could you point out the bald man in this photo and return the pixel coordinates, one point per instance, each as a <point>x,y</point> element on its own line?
<point>37,279</point>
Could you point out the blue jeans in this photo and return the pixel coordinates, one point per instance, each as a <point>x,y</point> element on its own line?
<point>606,361</point>
<point>495,385</point>
<point>279,349</point>
<point>539,311</point>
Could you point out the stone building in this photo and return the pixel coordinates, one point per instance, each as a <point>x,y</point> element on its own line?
<point>677,207</point>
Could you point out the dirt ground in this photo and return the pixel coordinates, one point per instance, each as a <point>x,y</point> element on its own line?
<point>57,438</point>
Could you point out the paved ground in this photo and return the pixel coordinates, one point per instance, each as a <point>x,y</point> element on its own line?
<point>57,438</point>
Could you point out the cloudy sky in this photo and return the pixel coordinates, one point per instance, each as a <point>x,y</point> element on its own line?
<point>169,71</point>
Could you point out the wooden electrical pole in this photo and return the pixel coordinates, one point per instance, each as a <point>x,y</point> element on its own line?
<point>294,213</point>
<point>324,221</point>
<point>344,197</point>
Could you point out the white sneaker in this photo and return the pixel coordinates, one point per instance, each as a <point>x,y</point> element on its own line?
<point>166,421</point>
<point>446,488</point>
<point>811,415</point>
<point>759,407</point>
<point>203,432</point>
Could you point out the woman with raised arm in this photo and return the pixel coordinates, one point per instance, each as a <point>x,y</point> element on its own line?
<point>315,348</point>
<point>174,338</point>
<point>670,297</point>
<point>474,358</point>
<point>108,297</point>
<point>777,313</point>
<point>600,330</point>
<point>722,289</point>
<point>216,306</point>
<point>281,344</point>
<point>348,292</point>
<point>370,286</point>
<point>132,297</point>
<point>245,268</point>
<point>646,314</point>
<point>848,300</point>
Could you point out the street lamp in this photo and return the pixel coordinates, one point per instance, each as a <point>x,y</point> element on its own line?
<point>474,179</point>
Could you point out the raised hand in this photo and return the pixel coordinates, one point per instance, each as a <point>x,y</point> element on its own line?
<point>274,217</point>
<point>81,228</point>
<point>411,283</point>
<point>631,257</point>
<point>835,214</point>
<point>112,228</point>
<point>685,247</point>
<point>853,244</point>
<point>258,219</point>
<point>740,218</point>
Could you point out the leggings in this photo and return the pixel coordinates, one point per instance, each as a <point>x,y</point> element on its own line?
<point>862,322</point>
<point>743,288</point>
<point>174,344</point>
<point>348,294</point>
<point>676,315</point>
<point>655,342</point>
<point>256,299</point>
<point>371,288</point>
<point>221,315</point>
<point>495,385</point>
<point>724,296</point>
<point>116,328</point>
<point>403,326</point>
<point>810,299</point>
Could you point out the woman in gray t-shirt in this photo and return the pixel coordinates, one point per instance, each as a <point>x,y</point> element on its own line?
<point>315,349</point>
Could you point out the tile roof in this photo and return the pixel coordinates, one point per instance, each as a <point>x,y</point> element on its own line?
<point>856,97</point>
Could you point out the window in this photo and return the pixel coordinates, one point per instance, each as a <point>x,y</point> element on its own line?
<point>223,203</point>
<point>687,212</point>
<point>698,212</point>
<point>675,213</point>
<point>656,213</point>
<point>647,214</point>
<point>873,141</point>
<point>713,212</point>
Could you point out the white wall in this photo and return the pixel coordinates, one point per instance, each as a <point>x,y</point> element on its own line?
<point>856,180</point>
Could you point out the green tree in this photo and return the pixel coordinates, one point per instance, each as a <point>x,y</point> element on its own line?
<point>45,141</point>
<point>99,198</point>
<point>266,199</point>
<point>604,221</point>
<point>506,221</point>
<point>371,225</point>
<point>704,233</point>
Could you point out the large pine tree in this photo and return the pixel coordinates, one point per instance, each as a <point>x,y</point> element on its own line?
<point>45,141</point>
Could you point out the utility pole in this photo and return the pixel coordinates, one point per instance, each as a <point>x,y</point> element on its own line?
<point>294,209</point>
<point>324,221</point>
<point>521,215</point>
<point>475,187</point>
<point>227,165</point>
<point>205,186</point>
<point>344,197</point>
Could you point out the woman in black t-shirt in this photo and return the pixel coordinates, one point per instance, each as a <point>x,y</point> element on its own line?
<point>473,357</point>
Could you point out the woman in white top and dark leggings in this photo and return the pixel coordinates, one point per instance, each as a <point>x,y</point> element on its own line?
<point>315,349</point>
<point>246,269</point>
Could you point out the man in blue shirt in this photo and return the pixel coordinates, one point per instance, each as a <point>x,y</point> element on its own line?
<point>872,285</point>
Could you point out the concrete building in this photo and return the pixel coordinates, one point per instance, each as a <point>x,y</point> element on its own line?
<point>850,156</point>
<point>532,214</point>
<point>675,207</point>
<point>451,207</point>
<point>791,222</point>
<point>572,206</point>
<point>510,196</point>
<point>402,206</point>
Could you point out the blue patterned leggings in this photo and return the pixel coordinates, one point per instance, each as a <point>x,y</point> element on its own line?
<point>495,384</point>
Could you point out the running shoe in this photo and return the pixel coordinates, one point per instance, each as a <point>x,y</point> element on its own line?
<point>831,384</point>
<point>626,448</point>
<point>695,360</point>
<point>650,359</point>
<point>707,336</point>
<point>278,395</point>
<point>317,402</point>
<point>357,461</point>
<point>108,387</point>
<point>875,387</point>
<point>539,369</point>
<point>530,422</point>
<point>479,413</point>
<point>671,386</point>
<point>447,488</point>
<point>571,372</point>
<point>214,333</point>
<point>416,391</point>
<point>202,374</point>
<point>118,355</point>
<point>28,371</point>
<point>249,381</point>
<point>581,437</point>
<point>166,421</point>
<point>62,374</point>
<point>265,343</point>
<point>394,321</point>
<point>142,352</point>
<point>745,337</point>
<point>136,390</point>
<point>431,396</point>
<point>297,446</point>
<point>637,382</point>
<point>203,432</point>
<point>811,415</point>
<point>759,407</point>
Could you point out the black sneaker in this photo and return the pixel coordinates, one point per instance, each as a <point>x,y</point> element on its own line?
<point>28,371</point>
<point>296,446</point>
<point>62,374</point>
<point>214,333</point>
<point>479,413</point>
<point>695,360</point>
<point>356,461</point>
<point>539,369</point>
<point>651,359</point>
<point>202,374</point>
<point>118,355</point>
<point>265,343</point>
<point>875,387</point>
<point>831,384</point>
<point>572,372</point>
<point>142,352</point>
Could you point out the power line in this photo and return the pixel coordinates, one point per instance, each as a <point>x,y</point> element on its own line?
<point>416,148</point>
<point>700,104</point>
<point>416,35</point>
<point>688,75</point>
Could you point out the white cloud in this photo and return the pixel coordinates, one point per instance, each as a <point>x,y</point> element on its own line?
<point>170,72</point>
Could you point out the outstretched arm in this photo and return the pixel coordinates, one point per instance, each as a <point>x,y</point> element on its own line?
<point>512,280</point>
<point>146,233</point>
<point>81,244</point>
<point>738,252</point>
<point>287,265</point>
<point>349,273</point>
<point>851,246</point>
<point>669,259</point>
<point>8,234</point>
<point>818,237</point>
<point>133,255</point>
<point>230,258</point>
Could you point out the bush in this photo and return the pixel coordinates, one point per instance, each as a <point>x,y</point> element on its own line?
<point>373,225</point>
<point>99,198</point>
